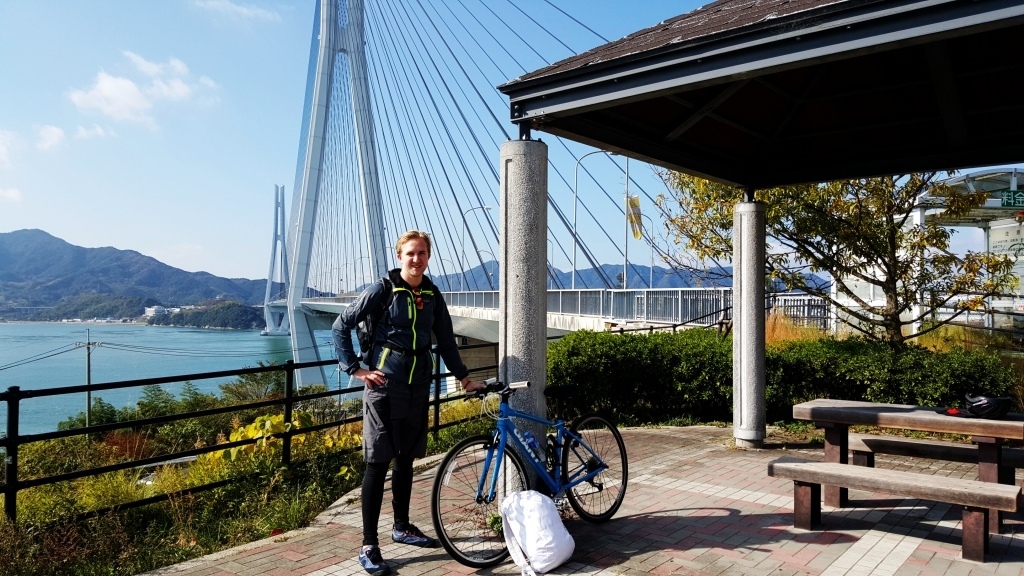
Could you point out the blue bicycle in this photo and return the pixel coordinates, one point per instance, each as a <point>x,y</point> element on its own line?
<point>584,462</point>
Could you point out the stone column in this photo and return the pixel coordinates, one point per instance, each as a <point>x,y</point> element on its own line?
<point>522,316</point>
<point>748,324</point>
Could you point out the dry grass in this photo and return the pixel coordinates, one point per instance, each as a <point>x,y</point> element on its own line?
<point>948,337</point>
<point>781,328</point>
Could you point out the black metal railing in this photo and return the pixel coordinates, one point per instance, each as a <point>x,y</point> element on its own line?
<point>11,443</point>
<point>14,439</point>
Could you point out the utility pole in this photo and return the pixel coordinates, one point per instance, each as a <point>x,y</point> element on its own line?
<point>88,345</point>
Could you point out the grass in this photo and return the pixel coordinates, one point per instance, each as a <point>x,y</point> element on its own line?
<point>782,328</point>
<point>947,337</point>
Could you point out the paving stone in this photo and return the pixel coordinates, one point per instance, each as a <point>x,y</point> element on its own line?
<point>694,506</point>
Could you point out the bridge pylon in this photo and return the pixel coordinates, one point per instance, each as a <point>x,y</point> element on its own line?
<point>336,34</point>
<point>275,309</point>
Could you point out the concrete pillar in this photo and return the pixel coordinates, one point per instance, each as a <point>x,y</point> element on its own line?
<point>748,293</point>
<point>522,311</point>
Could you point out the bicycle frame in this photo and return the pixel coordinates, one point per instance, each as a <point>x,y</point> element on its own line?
<point>507,430</point>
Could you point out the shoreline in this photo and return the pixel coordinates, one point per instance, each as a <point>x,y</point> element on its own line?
<point>141,324</point>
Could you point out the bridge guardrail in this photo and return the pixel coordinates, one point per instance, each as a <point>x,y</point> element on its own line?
<point>659,305</point>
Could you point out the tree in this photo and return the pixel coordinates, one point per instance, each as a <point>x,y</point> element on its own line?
<point>855,230</point>
<point>254,387</point>
<point>156,402</point>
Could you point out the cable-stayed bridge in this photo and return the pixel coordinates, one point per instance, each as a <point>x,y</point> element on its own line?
<point>401,129</point>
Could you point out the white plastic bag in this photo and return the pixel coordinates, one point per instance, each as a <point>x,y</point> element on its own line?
<point>536,538</point>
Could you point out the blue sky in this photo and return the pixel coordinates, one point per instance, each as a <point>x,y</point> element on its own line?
<point>162,127</point>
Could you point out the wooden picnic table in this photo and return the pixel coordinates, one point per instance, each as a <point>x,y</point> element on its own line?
<point>836,416</point>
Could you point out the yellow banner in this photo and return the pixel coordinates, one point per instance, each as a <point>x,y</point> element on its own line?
<point>633,215</point>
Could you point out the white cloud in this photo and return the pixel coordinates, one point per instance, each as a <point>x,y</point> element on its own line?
<point>209,89</point>
<point>50,137</point>
<point>97,131</point>
<point>243,12</point>
<point>114,97</point>
<point>125,99</point>
<point>173,89</point>
<point>173,67</point>
<point>10,195</point>
<point>8,140</point>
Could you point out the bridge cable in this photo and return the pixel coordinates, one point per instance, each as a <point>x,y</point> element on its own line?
<point>605,40</point>
<point>556,239</point>
<point>423,156</point>
<point>447,131</point>
<point>516,34</point>
<point>541,26</point>
<point>501,125</point>
<point>401,112</point>
<point>487,29</point>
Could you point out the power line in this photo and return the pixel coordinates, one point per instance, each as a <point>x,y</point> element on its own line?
<point>41,356</point>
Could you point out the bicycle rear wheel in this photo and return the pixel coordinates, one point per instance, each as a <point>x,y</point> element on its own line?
<point>470,531</point>
<point>599,498</point>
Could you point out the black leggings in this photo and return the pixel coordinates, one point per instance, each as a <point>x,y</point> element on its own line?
<point>373,495</point>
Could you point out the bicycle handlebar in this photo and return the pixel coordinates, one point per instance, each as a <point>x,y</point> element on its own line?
<point>493,386</point>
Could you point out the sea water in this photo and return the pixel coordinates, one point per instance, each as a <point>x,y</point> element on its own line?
<point>49,355</point>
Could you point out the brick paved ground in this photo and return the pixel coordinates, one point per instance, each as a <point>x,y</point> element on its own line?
<point>694,505</point>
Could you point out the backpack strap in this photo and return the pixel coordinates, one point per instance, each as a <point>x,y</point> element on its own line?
<point>385,303</point>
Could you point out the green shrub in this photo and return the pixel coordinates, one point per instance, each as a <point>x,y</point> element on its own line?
<point>640,378</point>
<point>634,378</point>
<point>857,369</point>
<point>949,376</point>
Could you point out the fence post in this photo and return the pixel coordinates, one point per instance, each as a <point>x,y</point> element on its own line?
<point>11,469</point>
<point>437,393</point>
<point>289,385</point>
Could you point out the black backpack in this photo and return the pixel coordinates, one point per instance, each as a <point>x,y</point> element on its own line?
<point>366,331</point>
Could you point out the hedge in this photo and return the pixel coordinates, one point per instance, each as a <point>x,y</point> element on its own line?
<point>643,378</point>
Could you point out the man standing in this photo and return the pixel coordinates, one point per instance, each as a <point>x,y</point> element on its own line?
<point>398,382</point>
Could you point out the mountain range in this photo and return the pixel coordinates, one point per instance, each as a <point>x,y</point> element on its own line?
<point>641,276</point>
<point>41,270</point>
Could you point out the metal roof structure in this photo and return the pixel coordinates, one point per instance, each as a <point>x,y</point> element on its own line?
<point>1006,197</point>
<point>761,93</point>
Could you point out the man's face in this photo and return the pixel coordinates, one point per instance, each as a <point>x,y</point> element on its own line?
<point>413,258</point>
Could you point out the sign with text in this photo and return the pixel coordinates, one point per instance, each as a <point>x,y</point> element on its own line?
<point>1011,198</point>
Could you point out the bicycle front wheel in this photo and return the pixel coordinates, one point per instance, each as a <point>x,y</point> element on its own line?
<point>469,530</point>
<point>597,499</point>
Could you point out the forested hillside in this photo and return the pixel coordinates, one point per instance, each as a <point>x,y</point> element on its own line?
<point>41,270</point>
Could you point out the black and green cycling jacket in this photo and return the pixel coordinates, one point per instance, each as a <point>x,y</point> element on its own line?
<point>403,332</point>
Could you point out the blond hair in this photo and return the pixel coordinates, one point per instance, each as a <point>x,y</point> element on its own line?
<point>412,235</point>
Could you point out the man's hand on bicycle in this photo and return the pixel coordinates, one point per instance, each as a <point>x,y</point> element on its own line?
<point>482,389</point>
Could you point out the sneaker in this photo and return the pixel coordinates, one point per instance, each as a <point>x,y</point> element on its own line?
<point>412,536</point>
<point>373,562</point>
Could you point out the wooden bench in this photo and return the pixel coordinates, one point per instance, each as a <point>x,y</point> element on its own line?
<point>975,497</point>
<point>865,446</point>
